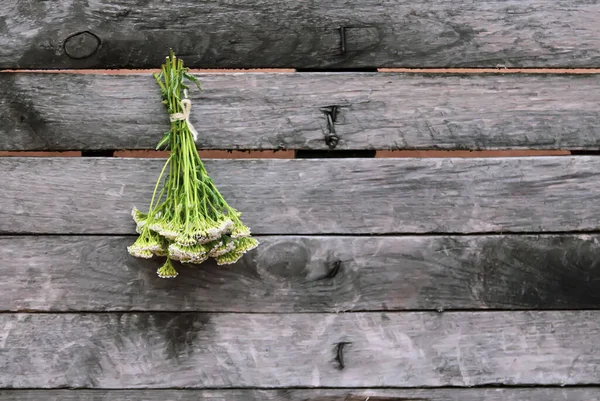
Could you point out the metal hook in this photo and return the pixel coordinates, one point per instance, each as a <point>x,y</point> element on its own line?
<point>331,138</point>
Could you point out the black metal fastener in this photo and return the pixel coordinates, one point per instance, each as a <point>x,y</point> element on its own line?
<point>340,354</point>
<point>331,138</point>
<point>343,40</point>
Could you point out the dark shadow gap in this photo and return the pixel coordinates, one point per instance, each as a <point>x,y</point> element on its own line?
<point>270,388</point>
<point>585,152</point>
<point>363,69</point>
<point>98,153</point>
<point>334,154</point>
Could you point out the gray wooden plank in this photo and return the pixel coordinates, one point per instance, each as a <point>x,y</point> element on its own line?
<point>299,274</point>
<point>316,196</point>
<point>406,349</point>
<point>275,111</point>
<point>497,394</point>
<point>221,33</point>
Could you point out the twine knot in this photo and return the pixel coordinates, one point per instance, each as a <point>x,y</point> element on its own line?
<point>186,107</point>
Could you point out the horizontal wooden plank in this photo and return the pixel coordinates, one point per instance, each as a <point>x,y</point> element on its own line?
<point>316,196</point>
<point>287,111</point>
<point>410,349</point>
<point>241,34</point>
<point>301,274</point>
<point>497,394</point>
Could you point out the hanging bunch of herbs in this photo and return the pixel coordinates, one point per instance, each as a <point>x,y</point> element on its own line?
<point>188,220</point>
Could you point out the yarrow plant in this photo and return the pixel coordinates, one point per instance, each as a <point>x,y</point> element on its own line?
<point>188,219</point>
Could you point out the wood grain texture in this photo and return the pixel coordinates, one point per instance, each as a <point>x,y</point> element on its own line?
<point>300,274</point>
<point>537,394</point>
<point>242,34</point>
<point>412,349</point>
<point>316,196</point>
<point>286,111</point>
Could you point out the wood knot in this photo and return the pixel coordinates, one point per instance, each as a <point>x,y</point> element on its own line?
<point>335,269</point>
<point>123,13</point>
<point>81,45</point>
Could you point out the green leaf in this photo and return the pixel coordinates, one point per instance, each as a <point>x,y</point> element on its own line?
<point>193,79</point>
<point>164,141</point>
<point>158,78</point>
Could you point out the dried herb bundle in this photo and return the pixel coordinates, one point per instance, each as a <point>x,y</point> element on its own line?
<point>188,219</point>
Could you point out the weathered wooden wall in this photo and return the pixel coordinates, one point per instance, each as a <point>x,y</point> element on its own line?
<point>309,274</point>
<point>202,350</point>
<point>377,279</point>
<point>288,111</point>
<point>317,196</point>
<point>323,34</point>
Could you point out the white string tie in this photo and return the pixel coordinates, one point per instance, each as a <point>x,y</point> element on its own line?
<point>186,107</point>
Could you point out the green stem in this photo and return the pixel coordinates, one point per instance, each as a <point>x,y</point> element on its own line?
<point>157,184</point>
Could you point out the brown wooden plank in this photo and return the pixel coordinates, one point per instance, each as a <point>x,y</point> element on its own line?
<point>410,349</point>
<point>301,274</point>
<point>284,33</point>
<point>317,196</point>
<point>213,154</point>
<point>287,111</point>
<point>497,70</point>
<point>496,394</point>
<point>40,154</point>
<point>464,153</point>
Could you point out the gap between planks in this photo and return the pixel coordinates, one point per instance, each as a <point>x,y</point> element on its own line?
<point>290,154</point>
<point>205,154</point>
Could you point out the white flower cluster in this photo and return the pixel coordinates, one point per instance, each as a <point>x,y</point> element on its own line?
<point>226,241</point>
